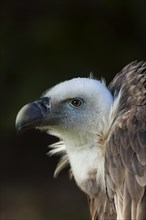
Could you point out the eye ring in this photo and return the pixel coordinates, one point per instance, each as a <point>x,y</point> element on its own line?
<point>76,102</point>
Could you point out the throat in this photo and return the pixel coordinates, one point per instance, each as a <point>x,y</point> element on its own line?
<point>87,164</point>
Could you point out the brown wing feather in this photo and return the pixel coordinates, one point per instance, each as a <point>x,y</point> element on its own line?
<point>101,208</point>
<point>125,159</point>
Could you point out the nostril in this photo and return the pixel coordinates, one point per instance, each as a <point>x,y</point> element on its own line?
<point>44,103</point>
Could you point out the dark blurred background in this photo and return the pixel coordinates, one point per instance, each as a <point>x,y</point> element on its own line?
<point>43,43</point>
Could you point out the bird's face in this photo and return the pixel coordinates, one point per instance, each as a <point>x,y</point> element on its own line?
<point>70,108</point>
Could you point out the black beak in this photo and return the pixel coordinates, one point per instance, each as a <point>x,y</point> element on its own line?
<point>33,114</point>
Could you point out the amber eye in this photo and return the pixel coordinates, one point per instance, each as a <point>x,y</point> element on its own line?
<point>76,102</point>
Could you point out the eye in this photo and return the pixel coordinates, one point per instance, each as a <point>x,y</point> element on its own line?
<point>76,102</point>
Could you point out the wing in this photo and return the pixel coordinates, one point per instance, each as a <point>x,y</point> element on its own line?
<point>125,159</point>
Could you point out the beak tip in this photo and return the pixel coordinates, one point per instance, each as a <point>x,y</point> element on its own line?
<point>31,115</point>
<point>20,119</point>
<point>18,130</point>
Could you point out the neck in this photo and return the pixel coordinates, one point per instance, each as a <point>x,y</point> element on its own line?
<point>87,163</point>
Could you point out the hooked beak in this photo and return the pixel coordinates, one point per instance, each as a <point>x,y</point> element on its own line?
<point>34,114</point>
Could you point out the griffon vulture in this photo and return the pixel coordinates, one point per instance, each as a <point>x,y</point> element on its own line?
<point>102,133</point>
